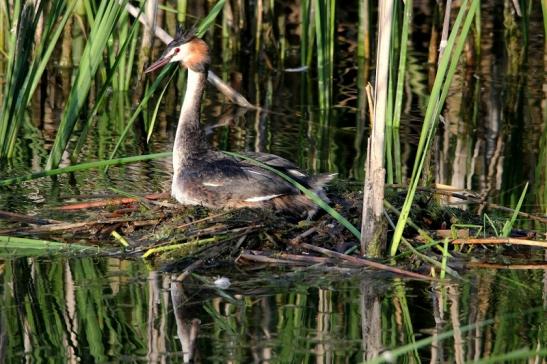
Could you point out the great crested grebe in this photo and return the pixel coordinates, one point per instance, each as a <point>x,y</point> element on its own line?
<point>202,176</point>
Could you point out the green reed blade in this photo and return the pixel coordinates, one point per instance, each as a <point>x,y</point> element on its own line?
<point>105,89</point>
<point>398,104</point>
<point>19,46</point>
<point>210,18</point>
<point>156,108</point>
<point>443,79</point>
<point>102,29</point>
<point>444,260</point>
<point>50,42</point>
<point>324,33</point>
<point>181,11</point>
<point>118,80</point>
<point>83,167</point>
<point>508,226</point>
<point>544,11</point>
<point>23,245</point>
<point>131,55</point>
<point>307,37</point>
<point>169,70</point>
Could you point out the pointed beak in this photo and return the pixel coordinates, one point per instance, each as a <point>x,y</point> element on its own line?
<point>158,64</point>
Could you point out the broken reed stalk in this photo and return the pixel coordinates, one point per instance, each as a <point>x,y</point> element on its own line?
<point>506,266</point>
<point>216,81</point>
<point>258,255</point>
<point>189,269</point>
<point>361,262</point>
<point>512,241</point>
<point>150,10</point>
<point>115,201</point>
<point>13,216</point>
<point>267,260</point>
<point>373,226</point>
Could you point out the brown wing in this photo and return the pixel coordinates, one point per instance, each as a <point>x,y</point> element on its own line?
<point>226,182</point>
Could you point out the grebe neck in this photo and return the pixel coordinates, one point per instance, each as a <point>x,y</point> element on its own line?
<point>190,139</point>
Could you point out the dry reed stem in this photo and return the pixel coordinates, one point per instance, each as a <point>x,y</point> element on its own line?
<point>12,216</point>
<point>65,226</point>
<point>512,241</point>
<point>189,269</point>
<point>112,202</point>
<point>294,257</point>
<point>506,266</point>
<point>266,259</point>
<point>446,28</point>
<point>372,228</point>
<point>362,262</point>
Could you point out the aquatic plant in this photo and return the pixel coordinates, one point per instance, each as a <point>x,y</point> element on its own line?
<point>104,24</point>
<point>28,54</point>
<point>445,73</point>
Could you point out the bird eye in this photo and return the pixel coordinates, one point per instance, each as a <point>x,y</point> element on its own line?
<point>177,50</point>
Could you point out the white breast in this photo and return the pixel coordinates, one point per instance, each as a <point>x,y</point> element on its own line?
<point>180,193</point>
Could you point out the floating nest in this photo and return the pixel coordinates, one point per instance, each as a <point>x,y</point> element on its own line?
<point>180,238</point>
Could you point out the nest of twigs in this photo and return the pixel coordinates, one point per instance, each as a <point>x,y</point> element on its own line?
<point>185,238</point>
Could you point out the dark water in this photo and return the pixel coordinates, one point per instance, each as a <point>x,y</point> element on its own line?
<point>97,309</point>
<point>107,310</point>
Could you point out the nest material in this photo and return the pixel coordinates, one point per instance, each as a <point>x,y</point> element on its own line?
<point>177,237</point>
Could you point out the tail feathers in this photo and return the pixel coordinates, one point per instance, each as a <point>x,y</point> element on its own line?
<point>300,204</point>
<point>318,182</point>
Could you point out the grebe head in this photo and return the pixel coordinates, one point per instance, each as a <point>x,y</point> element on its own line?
<point>186,48</point>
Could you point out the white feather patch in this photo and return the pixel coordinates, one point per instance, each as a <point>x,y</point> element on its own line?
<point>255,172</point>
<point>212,184</point>
<point>296,172</point>
<point>260,198</point>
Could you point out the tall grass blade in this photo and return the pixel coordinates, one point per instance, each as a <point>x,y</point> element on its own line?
<point>210,18</point>
<point>169,70</point>
<point>156,108</point>
<point>25,73</point>
<point>544,11</point>
<point>105,90</point>
<point>307,37</point>
<point>38,246</point>
<point>83,167</point>
<point>324,33</point>
<point>398,103</point>
<point>19,47</point>
<point>443,79</point>
<point>444,260</point>
<point>104,25</point>
<point>508,226</point>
